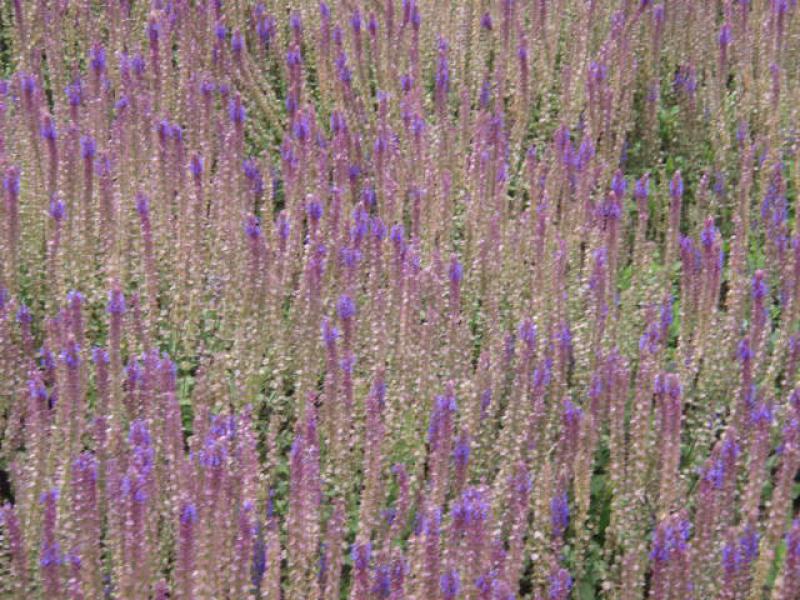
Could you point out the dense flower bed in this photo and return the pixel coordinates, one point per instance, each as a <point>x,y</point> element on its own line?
<point>383,299</point>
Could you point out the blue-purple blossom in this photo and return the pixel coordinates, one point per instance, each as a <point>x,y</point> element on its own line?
<point>450,584</point>
<point>345,307</point>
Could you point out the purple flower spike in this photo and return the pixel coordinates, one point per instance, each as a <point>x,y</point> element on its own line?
<point>116,302</point>
<point>676,186</point>
<point>450,584</point>
<point>97,58</point>
<point>57,209</point>
<point>345,308</point>
<point>236,111</point>
<point>361,554</point>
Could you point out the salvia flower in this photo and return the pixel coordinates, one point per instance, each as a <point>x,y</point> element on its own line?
<point>360,555</point>
<point>48,129</point>
<point>116,302</point>
<point>97,58</point>
<point>461,452</point>
<point>11,181</point>
<point>237,42</point>
<point>345,308</point>
<point>252,227</point>
<point>560,584</point>
<point>24,316</point>
<point>196,166</point>
<point>455,273</point>
<point>57,209</point>
<point>74,92</point>
<point>618,184</point>
<point>670,539</point>
<point>142,205</point>
<point>559,514</point>
<point>88,147</point>
<point>725,35</point>
<point>450,584</point>
<point>236,111</point>
<point>676,185</point>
